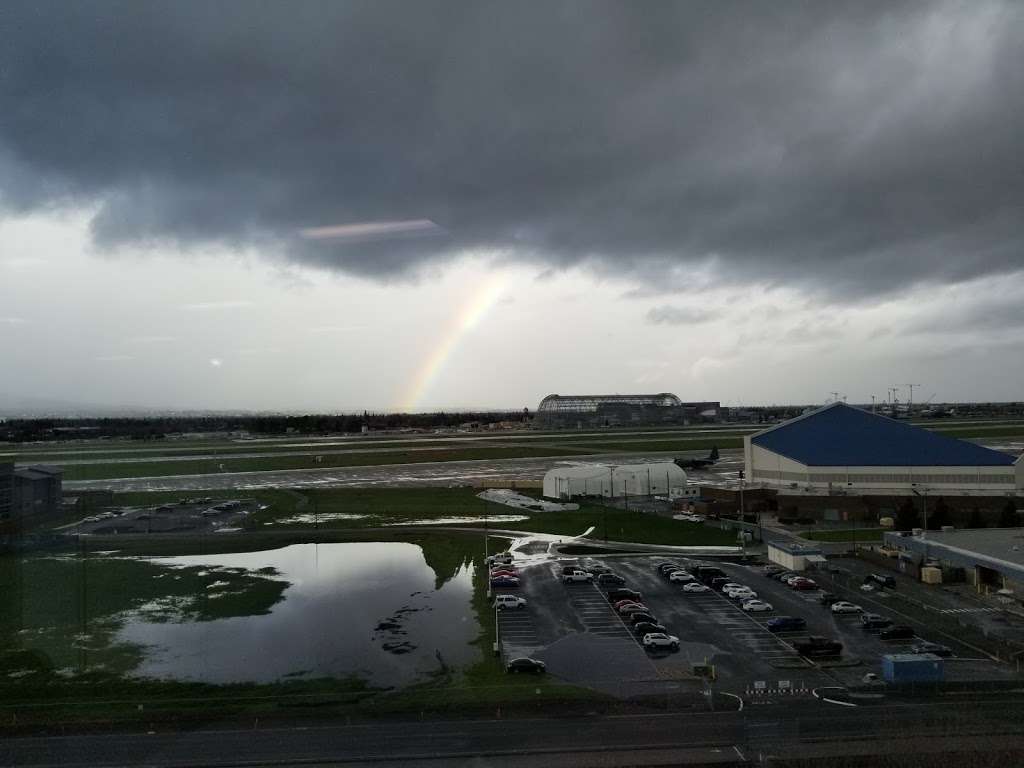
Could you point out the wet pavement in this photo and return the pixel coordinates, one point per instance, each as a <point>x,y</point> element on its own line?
<point>443,474</point>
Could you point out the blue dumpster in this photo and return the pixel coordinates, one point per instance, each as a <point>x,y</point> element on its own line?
<point>912,668</point>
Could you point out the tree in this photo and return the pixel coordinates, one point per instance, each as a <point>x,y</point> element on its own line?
<point>1008,516</point>
<point>906,515</point>
<point>975,520</point>
<point>939,516</point>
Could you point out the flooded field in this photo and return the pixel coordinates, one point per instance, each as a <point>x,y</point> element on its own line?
<point>374,611</point>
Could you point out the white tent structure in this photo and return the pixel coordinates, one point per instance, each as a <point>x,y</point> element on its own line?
<point>662,478</point>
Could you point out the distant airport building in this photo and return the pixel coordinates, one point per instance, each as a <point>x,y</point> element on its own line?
<point>27,491</point>
<point>615,480</point>
<point>840,450</point>
<point>580,411</point>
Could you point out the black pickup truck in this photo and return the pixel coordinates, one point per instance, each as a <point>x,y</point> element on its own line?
<point>818,646</point>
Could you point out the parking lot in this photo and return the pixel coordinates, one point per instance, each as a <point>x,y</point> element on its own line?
<point>575,630</point>
<point>191,515</point>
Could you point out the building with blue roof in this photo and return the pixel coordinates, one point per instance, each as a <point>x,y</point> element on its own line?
<point>843,449</point>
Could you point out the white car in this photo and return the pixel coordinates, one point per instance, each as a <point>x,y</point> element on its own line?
<point>742,593</point>
<point>661,640</point>
<point>577,577</point>
<point>844,606</point>
<point>504,558</point>
<point>732,585</point>
<point>790,579</point>
<point>757,606</point>
<point>501,602</point>
<point>682,576</point>
<point>695,586</point>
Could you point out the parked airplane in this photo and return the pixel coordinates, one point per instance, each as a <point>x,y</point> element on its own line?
<point>699,463</point>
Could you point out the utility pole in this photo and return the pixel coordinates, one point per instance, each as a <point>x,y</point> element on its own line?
<point>872,403</point>
<point>910,402</point>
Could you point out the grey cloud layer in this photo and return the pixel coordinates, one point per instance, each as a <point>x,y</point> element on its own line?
<point>856,147</point>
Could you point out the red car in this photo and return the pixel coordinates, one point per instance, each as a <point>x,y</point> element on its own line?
<point>619,603</point>
<point>505,572</point>
<point>803,584</point>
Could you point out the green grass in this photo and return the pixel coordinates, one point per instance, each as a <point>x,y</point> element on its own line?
<point>271,463</point>
<point>385,506</point>
<point>866,535</point>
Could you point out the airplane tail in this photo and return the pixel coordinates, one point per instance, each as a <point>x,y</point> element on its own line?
<point>714,453</point>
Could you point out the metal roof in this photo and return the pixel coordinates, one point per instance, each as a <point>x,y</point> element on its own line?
<point>840,435</point>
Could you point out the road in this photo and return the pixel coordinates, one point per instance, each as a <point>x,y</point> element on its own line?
<point>441,473</point>
<point>692,737</point>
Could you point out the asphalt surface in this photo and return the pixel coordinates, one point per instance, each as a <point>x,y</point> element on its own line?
<point>444,474</point>
<point>801,728</point>
<point>582,640</point>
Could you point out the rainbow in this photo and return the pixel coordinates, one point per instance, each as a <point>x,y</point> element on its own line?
<point>465,321</point>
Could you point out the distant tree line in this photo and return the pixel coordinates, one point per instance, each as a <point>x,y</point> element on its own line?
<point>158,427</point>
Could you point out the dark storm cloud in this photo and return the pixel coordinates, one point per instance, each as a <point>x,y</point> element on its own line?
<point>859,147</point>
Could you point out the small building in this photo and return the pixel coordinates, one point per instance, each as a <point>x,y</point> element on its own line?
<point>840,449</point>
<point>990,559</point>
<point>36,491</point>
<point>795,557</point>
<point>622,480</point>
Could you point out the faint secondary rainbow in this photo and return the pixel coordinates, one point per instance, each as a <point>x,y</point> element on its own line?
<point>469,315</point>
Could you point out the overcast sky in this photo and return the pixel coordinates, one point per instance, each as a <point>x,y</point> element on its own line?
<point>348,205</point>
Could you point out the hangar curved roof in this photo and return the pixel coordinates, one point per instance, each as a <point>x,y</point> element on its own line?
<point>840,435</point>
<point>585,403</point>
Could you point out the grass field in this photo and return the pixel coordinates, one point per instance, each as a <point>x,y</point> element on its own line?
<point>372,507</point>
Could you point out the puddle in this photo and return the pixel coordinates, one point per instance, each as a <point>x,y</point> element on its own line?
<point>372,610</point>
<point>310,518</point>
<point>490,520</point>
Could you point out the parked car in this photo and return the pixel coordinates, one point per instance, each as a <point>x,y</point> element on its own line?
<point>505,581</point>
<point>900,632</point>
<point>729,585</point>
<point>625,601</point>
<point>874,621</point>
<point>933,648</point>
<point>646,627</point>
<point>680,577</point>
<point>501,557</point>
<point>622,594</point>
<point>640,618</point>
<point>666,564</point>
<point>718,582</point>
<point>844,606</point>
<point>598,568</point>
<point>828,599</point>
<point>882,580</point>
<point>606,579</point>
<point>740,594</point>
<point>524,664</point>
<point>577,577</point>
<point>818,646</point>
<point>661,640</point>
<point>768,570</point>
<point>785,624</point>
<point>629,610</point>
<point>757,606</point>
<point>505,572</point>
<point>501,602</point>
<point>783,575</point>
<point>802,585</point>
<point>693,587</point>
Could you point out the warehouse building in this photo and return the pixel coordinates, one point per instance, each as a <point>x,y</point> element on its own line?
<point>27,491</point>
<point>840,449</point>
<point>989,558</point>
<point>580,411</point>
<point>624,480</point>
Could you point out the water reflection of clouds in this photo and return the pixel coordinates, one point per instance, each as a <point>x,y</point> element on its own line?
<point>338,594</point>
